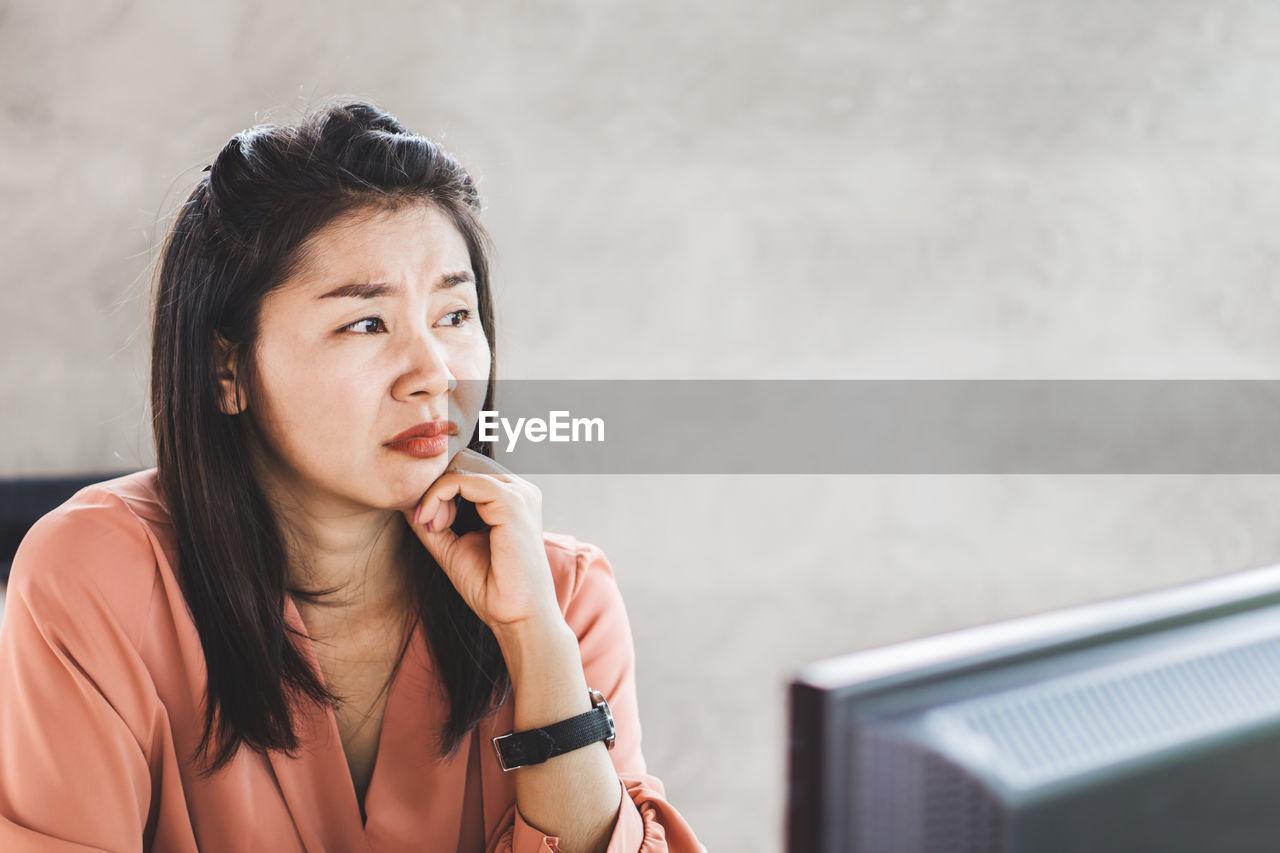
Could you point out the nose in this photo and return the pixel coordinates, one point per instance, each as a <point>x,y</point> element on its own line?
<point>424,369</point>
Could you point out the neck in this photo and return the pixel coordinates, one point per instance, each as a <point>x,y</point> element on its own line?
<point>355,554</point>
<point>357,560</point>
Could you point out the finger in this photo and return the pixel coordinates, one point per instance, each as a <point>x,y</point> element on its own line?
<point>441,519</point>
<point>439,541</point>
<point>440,544</point>
<point>478,488</point>
<point>469,460</point>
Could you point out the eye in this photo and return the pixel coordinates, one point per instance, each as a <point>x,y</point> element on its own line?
<point>366,325</point>
<point>465,313</point>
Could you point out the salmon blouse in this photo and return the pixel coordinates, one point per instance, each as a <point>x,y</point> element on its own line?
<point>102,678</point>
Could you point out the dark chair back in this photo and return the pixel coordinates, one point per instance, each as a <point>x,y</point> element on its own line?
<point>24,499</point>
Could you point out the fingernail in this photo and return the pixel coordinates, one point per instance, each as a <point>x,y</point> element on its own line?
<point>430,526</point>
<point>417,510</point>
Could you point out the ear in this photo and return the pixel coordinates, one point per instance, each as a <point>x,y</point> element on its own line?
<point>230,399</point>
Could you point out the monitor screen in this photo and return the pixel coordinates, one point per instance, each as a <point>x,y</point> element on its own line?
<point>1150,722</point>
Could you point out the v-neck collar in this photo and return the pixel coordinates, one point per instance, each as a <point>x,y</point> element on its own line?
<point>317,785</point>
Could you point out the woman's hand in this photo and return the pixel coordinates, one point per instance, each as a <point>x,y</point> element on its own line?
<point>501,573</point>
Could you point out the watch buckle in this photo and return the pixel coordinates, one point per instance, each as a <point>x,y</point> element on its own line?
<point>496,749</point>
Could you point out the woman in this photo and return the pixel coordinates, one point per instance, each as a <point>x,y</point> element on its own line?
<point>305,627</point>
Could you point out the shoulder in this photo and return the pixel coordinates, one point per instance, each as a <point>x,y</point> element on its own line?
<point>593,608</point>
<point>577,567</point>
<point>588,591</point>
<point>94,556</point>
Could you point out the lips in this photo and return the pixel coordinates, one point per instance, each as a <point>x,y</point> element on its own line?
<point>427,430</point>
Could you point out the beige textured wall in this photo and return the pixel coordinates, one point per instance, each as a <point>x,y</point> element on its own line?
<point>988,189</point>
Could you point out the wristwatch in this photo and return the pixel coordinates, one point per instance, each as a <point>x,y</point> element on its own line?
<point>521,749</point>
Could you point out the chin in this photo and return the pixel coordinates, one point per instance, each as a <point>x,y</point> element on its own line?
<point>409,488</point>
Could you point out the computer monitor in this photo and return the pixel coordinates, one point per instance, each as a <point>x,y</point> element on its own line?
<point>1146,723</point>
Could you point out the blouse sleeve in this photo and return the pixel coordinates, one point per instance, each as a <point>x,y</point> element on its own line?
<point>646,821</point>
<point>73,689</point>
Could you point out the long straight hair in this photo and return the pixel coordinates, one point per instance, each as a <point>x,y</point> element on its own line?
<point>236,238</point>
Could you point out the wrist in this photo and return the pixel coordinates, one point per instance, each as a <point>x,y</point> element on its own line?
<point>541,649</point>
<point>546,628</point>
<point>536,746</point>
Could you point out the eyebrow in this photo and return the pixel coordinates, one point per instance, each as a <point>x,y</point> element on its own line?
<point>374,290</point>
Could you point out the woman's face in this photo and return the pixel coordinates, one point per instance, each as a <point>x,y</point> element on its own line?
<point>377,332</point>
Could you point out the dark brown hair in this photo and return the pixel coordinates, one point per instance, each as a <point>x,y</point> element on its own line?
<point>236,238</point>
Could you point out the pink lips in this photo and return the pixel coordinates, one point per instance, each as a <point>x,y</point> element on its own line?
<point>424,440</point>
<point>427,430</point>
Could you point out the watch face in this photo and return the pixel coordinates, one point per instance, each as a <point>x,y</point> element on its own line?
<point>597,700</point>
<point>521,749</point>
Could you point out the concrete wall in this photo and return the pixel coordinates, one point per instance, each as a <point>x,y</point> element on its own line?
<point>988,189</point>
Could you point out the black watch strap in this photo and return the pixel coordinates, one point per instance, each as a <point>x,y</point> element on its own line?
<point>520,749</point>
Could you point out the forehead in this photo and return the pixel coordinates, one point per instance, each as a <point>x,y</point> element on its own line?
<point>381,244</point>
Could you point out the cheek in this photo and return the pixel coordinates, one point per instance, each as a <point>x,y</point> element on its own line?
<point>480,367</point>
<point>468,359</point>
<point>302,402</point>
<point>471,370</point>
